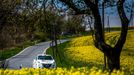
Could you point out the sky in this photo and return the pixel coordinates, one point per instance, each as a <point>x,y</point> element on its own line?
<point>114,19</point>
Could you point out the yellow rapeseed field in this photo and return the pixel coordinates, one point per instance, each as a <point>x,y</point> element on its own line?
<point>82,49</point>
<point>60,71</point>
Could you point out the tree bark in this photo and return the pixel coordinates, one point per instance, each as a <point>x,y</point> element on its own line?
<point>113,60</point>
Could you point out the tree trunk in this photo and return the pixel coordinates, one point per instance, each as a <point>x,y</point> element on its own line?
<point>113,61</point>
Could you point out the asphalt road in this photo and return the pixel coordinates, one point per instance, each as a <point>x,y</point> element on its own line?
<point>25,58</point>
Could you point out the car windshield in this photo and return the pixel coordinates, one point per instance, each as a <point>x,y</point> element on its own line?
<point>45,57</point>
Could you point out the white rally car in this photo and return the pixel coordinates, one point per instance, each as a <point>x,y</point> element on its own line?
<point>44,61</point>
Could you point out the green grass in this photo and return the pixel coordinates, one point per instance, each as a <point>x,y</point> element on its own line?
<point>9,52</point>
<point>80,52</point>
<point>4,54</point>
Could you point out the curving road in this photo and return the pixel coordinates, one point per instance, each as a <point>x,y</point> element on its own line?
<point>25,58</point>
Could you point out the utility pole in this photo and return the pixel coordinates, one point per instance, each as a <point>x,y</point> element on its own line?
<point>103,16</point>
<point>108,25</point>
<point>132,22</point>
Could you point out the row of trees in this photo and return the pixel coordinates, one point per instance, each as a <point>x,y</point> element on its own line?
<point>21,20</point>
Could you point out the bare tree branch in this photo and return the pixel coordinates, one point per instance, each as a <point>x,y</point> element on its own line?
<point>90,4</point>
<point>73,6</point>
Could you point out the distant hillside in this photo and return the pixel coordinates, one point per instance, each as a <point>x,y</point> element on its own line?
<point>116,28</point>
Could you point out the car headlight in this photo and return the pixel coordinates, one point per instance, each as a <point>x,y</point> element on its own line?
<point>54,65</point>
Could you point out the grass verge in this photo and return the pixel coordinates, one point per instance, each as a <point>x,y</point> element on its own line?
<point>7,53</point>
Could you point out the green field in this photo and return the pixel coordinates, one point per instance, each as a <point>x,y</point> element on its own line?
<point>80,52</point>
<point>9,52</point>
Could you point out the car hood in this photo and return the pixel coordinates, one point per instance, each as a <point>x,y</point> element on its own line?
<point>46,61</point>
